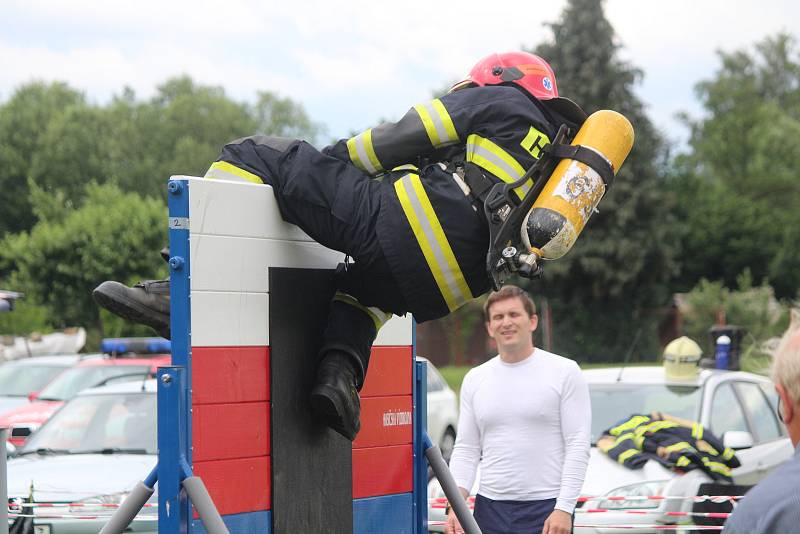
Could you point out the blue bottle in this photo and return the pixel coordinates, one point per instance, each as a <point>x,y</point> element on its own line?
<point>722,354</point>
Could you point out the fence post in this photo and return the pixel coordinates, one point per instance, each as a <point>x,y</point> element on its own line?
<point>173,506</point>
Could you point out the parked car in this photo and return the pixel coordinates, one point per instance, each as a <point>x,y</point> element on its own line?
<point>738,407</point>
<point>92,371</point>
<point>20,379</point>
<point>91,452</point>
<point>442,410</point>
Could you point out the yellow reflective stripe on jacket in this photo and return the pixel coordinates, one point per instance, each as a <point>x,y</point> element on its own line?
<point>633,422</point>
<point>437,122</point>
<point>222,170</point>
<point>717,467</point>
<point>490,157</point>
<point>362,153</point>
<point>697,431</point>
<point>432,240</point>
<point>405,167</point>
<point>378,316</point>
<point>627,454</point>
<point>683,461</point>
<point>680,446</point>
<point>727,454</point>
<point>623,437</point>
<point>655,426</point>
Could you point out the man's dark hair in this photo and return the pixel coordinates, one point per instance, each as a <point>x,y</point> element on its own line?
<point>509,292</point>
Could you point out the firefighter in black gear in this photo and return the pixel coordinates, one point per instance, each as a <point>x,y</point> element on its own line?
<point>403,200</point>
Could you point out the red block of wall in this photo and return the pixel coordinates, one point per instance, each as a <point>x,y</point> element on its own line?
<point>239,485</point>
<point>389,372</point>
<point>382,471</point>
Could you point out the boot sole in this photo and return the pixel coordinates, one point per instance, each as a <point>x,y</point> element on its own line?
<point>326,404</point>
<point>114,300</point>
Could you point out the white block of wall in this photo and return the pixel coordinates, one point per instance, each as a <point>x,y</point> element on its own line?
<point>236,234</point>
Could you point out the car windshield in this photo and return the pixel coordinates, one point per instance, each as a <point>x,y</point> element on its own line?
<point>73,381</point>
<point>612,403</point>
<point>108,423</point>
<point>20,380</point>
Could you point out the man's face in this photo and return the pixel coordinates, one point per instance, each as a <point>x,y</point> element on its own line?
<point>510,325</point>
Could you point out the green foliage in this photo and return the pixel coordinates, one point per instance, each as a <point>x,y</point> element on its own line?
<point>24,119</point>
<point>737,189</point>
<point>61,233</point>
<point>616,277</point>
<point>454,375</point>
<point>26,317</point>
<point>752,307</point>
<point>114,235</point>
<point>284,118</point>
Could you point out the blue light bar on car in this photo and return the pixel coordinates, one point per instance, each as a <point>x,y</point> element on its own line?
<point>136,345</point>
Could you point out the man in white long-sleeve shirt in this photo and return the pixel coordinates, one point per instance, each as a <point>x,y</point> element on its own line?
<point>525,420</point>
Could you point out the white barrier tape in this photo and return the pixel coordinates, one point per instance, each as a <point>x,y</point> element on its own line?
<point>683,528</point>
<point>674,528</point>
<point>695,498</point>
<point>716,515</point>
<point>75,516</point>
<point>75,505</point>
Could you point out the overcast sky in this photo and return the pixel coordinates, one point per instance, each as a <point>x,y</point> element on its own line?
<point>351,63</point>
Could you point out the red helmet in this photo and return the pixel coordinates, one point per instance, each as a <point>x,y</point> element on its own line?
<point>527,71</point>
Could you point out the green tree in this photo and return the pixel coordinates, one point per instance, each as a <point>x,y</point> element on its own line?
<point>60,261</point>
<point>616,277</point>
<point>183,127</point>
<point>280,116</point>
<point>738,189</point>
<point>24,119</point>
<point>746,305</point>
<point>180,130</point>
<point>76,147</point>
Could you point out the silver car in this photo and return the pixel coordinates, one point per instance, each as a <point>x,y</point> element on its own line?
<point>19,379</point>
<point>87,457</point>
<point>442,412</point>
<point>738,407</point>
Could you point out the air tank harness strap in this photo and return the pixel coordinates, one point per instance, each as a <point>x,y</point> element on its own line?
<point>585,155</point>
<point>479,184</point>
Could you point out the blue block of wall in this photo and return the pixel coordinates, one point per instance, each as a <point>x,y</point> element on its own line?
<point>388,514</point>
<point>251,522</point>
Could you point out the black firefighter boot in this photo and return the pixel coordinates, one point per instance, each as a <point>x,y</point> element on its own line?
<point>335,395</point>
<point>146,303</point>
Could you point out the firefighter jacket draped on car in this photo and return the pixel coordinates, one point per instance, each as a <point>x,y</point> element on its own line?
<point>677,446</point>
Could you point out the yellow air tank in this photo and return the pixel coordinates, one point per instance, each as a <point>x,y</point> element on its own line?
<point>573,191</point>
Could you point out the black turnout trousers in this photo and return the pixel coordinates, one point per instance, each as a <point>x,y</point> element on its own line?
<point>338,206</point>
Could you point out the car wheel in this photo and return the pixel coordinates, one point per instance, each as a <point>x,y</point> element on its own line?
<point>447,444</point>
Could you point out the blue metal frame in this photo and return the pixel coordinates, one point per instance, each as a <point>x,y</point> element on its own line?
<point>175,400</point>
<point>173,510</point>
<point>174,388</point>
<point>420,402</point>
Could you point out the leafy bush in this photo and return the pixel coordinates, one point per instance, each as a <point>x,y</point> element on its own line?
<point>752,307</point>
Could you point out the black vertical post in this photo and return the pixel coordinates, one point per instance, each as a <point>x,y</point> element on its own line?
<point>312,489</point>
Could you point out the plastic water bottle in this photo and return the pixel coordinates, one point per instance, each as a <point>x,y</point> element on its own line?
<point>722,355</point>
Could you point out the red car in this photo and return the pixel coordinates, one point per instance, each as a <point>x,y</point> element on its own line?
<point>91,371</point>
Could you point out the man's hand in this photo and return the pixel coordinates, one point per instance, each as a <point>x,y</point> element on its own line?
<point>559,522</point>
<point>453,526</point>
